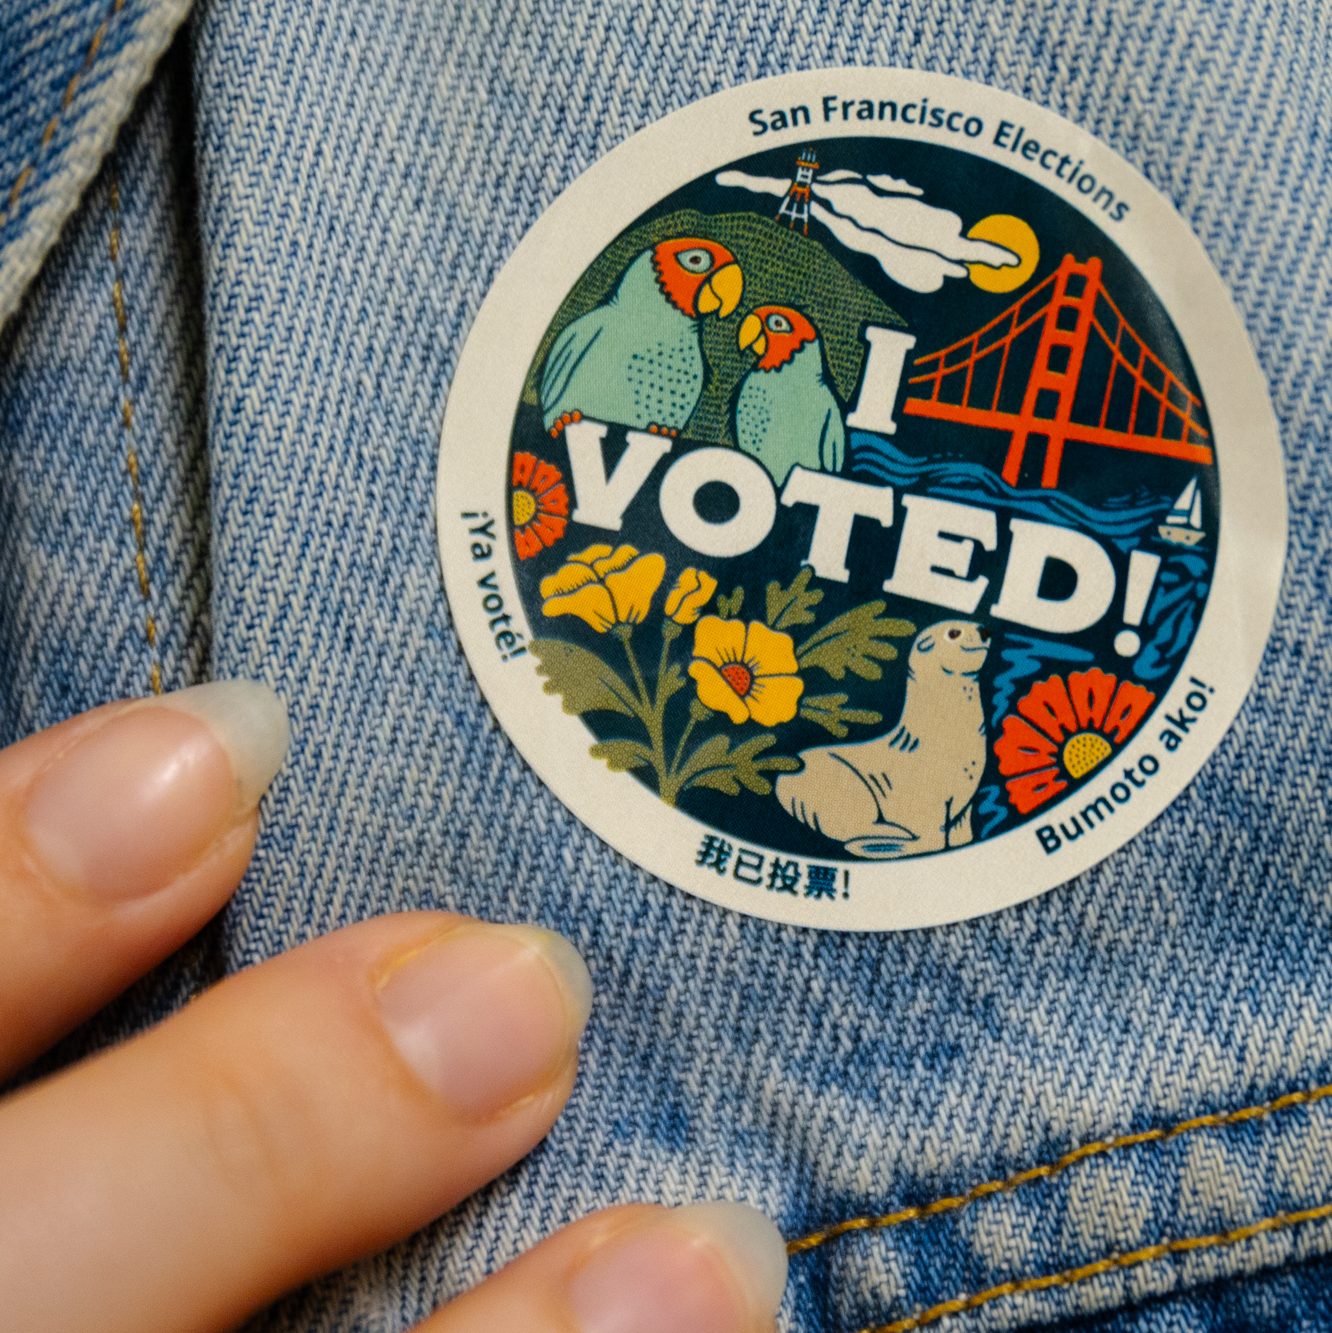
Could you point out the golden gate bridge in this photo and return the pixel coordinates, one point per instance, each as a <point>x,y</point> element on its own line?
<point>1144,407</point>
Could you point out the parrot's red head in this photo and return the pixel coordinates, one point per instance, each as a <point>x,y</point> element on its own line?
<point>775,333</point>
<point>698,276</point>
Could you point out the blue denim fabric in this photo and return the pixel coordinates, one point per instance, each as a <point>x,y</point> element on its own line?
<point>69,73</point>
<point>361,175</point>
<point>1293,1299</point>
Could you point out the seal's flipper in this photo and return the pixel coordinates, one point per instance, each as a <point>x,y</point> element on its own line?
<point>886,842</point>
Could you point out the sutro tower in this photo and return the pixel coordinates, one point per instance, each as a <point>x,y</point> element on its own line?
<point>795,206</point>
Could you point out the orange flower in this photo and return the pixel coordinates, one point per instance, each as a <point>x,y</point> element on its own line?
<point>746,671</point>
<point>604,588</point>
<point>539,504</point>
<point>691,593</point>
<point>1064,729</point>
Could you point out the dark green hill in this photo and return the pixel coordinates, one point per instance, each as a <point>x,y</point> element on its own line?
<point>780,266</point>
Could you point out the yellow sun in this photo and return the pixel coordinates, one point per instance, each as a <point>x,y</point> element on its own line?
<point>1013,234</point>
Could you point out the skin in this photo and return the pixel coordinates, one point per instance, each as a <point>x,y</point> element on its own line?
<point>273,1129</point>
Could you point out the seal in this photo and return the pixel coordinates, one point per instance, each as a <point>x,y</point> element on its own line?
<point>910,790</point>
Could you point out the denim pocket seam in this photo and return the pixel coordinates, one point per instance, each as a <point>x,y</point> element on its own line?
<point>1147,1254</point>
<point>1084,1152</point>
<point>27,170</point>
<point>137,520</point>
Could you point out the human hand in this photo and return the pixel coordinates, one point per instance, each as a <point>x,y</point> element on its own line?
<point>307,1111</point>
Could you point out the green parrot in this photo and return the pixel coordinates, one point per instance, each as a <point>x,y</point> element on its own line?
<point>786,413</point>
<point>637,359</point>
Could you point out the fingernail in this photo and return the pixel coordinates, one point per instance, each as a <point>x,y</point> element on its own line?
<point>488,1015</point>
<point>708,1268</point>
<point>136,802</point>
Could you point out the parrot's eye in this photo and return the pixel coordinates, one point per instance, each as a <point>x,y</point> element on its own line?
<point>694,261</point>
<point>778,323</point>
<point>954,633</point>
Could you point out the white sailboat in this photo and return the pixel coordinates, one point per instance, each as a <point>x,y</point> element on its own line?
<point>1183,524</point>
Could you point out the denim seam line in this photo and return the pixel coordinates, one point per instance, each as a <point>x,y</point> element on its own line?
<point>71,88</point>
<point>1112,1263</point>
<point>114,245</point>
<point>1084,1152</point>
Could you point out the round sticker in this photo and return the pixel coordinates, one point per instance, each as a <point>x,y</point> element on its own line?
<point>859,502</point>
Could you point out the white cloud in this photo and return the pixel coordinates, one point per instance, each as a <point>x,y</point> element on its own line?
<point>888,184</point>
<point>916,244</point>
<point>759,184</point>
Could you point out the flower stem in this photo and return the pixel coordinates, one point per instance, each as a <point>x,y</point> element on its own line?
<point>697,713</point>
<point>624,633</point>
<point>651,708</point>
<point>679,749</point>
<point>670,631</point>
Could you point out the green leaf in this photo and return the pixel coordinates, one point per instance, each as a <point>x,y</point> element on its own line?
<point>583,680</point>
<point>856,641</point>
<point>712,753</point>
<point>718,765</point>
<point>832,714</point>
<point>729,607</point>
<point>621,756</point>
<point>793,605</point>
<point>719,779</point>
<point>671,683</point>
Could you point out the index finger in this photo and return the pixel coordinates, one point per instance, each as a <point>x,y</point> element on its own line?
<point>122,831</point>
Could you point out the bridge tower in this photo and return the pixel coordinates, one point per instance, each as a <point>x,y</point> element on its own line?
<point>1047,405</point>
<point>795,206</point>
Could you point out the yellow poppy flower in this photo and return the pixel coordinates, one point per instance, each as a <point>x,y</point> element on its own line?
<point>604,587</point>
<point>746,671</point>
<point>691,593</point>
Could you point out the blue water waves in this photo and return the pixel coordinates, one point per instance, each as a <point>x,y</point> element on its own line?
<point>1119,520</point>
<point>992,811</point>
<point>1022,657</point>
<point>1172,618</point>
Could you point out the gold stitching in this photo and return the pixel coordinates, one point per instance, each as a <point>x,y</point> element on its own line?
<point>1219,1120</point>
<point>1115,1262</point>
<point>90,56</point>
<point>137,524</point>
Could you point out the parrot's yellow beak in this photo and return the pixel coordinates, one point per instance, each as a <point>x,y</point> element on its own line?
<point>722,291</point>
<point>752,335</point>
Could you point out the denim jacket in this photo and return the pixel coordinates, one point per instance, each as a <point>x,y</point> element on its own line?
<point>240,249</point>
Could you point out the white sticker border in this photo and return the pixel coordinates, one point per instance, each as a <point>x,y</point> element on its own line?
<point>472,478</point>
